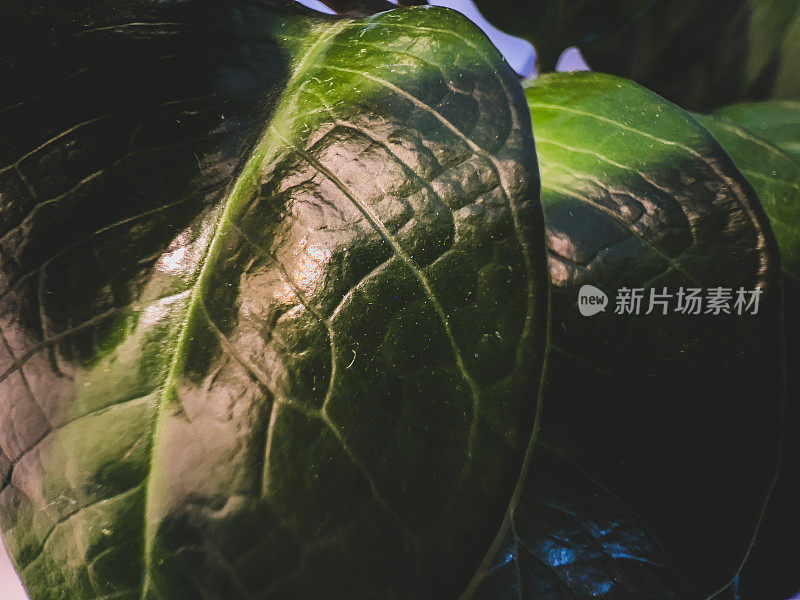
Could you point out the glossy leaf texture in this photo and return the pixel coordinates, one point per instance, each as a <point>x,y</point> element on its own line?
<point>285,348</point>
<point>698,53</point>
<point>775,175</point>
<point>570,537</point>
<point>776,121</point>
<point>671,420</point>
<point>121,125</point>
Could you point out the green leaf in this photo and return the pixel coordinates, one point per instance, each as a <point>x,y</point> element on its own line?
<point>273,319</point>
<point>651,408</point>
<point>572,538</point>
<point>773,173</point>
<point>776,121</point>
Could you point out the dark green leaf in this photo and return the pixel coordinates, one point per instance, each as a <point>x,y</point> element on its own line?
<point>572,538</point>
<point>775,176</point>
<point>273,320</point>
<point>359,7</point>
<point>693,52</point>
<point>775,45</point>
<point>771,39</point>
<point>704,53</point>
<point>698,53</point>
<point>776,121</point>
<point>773,173</point>
<point>554,25</point>
<point>676,415</point>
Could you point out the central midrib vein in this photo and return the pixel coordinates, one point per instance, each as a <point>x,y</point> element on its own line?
<point>241,189</point>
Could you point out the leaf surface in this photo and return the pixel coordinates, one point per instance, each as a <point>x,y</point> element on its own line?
<point>776,121</point>
<point>572,538</point>
<point>673,420</point>
<point>775,175</point>
<point>295,353</point>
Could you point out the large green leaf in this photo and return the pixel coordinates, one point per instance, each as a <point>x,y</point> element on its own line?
<point>672,418</point>
<point>775,175</point>
<point>273,318</point>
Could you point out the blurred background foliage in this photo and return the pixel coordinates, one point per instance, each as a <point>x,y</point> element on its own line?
<point>700,54</point>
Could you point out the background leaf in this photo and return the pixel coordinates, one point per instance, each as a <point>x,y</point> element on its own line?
<point>676,416</point>
<point>775,175</point>
<point>704,54</point>
<point>554,25</point>
<point>698,53</point>
<point>572,538</point>
<point>776,121</point>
